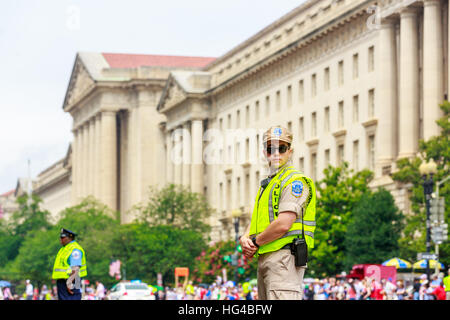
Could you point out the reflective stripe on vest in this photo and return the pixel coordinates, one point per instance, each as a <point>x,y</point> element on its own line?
<point>266,210</point>
<point>61,268</point>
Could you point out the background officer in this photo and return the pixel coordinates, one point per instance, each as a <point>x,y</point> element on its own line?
<point>284,210</point>
<point>69,267</point>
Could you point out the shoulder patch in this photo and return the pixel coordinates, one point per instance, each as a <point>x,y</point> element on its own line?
<point>76,254</point>
<point>297,188</point>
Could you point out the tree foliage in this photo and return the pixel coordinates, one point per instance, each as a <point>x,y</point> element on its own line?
<point>372,235</point>
<point>175,205</point>
<point>147,250</point>
<point>408,175</point>
<point>337,194</point>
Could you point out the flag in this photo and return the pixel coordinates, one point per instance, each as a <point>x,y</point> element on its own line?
<point>114,269</point>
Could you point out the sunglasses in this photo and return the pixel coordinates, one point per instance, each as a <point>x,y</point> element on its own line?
<point>281,149</point>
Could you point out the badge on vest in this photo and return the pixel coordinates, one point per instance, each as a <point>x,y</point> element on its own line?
<point>297,188</point>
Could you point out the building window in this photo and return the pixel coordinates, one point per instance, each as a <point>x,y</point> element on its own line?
<point>371,61</point>
<point>326,123</point>
<point>355,109</point>
<point>313,85</point>
<point>238,192</point>
<point>301,164</point>
<point>247,116</point>
<point>278,100</point>
<point>289,126</point>
<point>371,107</point>
<point>257,110</point>
<point>314,166</point>
<point>301,91</point>
<point>221,124</point>
<point>341,114</point>
<point>228,196</point>
<point>371,157</point>
<point>341,73</point>
<point>301,129</point>
<point>247,190</point>
<point>340,154</point>
<point>267,105</point>
<point>314,124</point>
<point>355,66</point>
<point>327,157</point>
<point>289,96</point>
<point>356,155</point>
<point>229,121</point>
<point>221,196</point>
<point>247,150</point>
<point>326,79</point>
<point>238,119</point>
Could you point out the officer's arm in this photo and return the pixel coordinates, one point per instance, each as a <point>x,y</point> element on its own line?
<point>277,228</point>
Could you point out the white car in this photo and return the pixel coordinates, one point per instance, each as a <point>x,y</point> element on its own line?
<point>131,291</point>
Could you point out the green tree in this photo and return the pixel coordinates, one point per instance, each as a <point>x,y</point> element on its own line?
<point>372,235</point>
<point>175,205</point>
<point>36,257</point>
<point>147,250</point>
<point>337,194</point>
<point>408,175</point>
<point>95,225</point>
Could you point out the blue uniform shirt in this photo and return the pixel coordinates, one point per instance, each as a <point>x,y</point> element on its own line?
<point>75,258</point>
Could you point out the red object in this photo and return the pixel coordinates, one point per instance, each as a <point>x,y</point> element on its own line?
<point>374,271</point>
<point>120,60</point>
<point>181,272</point>
<point>439,292</point>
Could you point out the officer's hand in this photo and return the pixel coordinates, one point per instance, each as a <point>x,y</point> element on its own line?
<point>248,248</point>
<point>70,291</point>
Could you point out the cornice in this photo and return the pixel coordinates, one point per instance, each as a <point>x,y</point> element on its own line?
<point>289,48</point>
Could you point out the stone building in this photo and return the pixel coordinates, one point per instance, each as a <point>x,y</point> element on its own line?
<point>354,80</point>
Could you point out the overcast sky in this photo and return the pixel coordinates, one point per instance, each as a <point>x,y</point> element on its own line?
<point>39,41</point>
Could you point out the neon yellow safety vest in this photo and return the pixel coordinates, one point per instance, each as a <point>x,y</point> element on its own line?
<point>446,281</point>
<point>61,268</point>
<point>246,287</point>
<point>266,207</point>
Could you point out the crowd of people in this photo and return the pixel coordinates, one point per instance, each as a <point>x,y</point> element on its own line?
<point>330,288</point>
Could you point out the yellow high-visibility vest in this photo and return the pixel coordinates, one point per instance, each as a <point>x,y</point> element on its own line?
<point>61,268</point>
<point>266,207</point>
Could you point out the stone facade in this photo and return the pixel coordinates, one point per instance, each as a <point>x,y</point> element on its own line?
<point>355,80</point>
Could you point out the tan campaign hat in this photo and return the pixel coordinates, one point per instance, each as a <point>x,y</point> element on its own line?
<point>277,133</point>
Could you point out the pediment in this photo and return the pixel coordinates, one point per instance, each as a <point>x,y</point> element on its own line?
<point>173,94</point>
<point>79,85</point>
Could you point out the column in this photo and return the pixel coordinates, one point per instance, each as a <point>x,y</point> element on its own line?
<point>169,161</point>
<point>186,176</point>
<point>409,84</point>
<point>386,108</point>
<point>177,154</point>
<point>109,159</point>
<point>75,166</point>
<point>197,183</point>
<point>433,65</point>
<point>85,190</point>
<point>97,157</point>
<point>91,166</point>
<point>133,161</point>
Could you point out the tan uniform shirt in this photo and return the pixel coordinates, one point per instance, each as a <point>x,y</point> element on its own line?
<point>290,202</point>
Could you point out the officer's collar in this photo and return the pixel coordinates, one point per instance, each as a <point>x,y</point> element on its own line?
<point>274,172</point>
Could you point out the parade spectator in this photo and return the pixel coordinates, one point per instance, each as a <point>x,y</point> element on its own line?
<point>438,291</point>
<point>100,291</point>
<point>28,290</point>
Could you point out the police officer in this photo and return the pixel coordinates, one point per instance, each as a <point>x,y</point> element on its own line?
<point>283,214</point>
<point>69,267</point>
